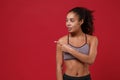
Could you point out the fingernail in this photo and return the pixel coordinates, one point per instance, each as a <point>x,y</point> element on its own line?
<point>55,41</point>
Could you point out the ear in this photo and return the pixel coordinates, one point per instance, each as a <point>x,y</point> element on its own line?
<point>81,21</point>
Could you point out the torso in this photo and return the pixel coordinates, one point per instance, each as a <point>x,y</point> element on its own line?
<point>75,67</point>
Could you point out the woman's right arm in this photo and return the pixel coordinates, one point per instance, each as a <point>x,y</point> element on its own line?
<point>59,62</point>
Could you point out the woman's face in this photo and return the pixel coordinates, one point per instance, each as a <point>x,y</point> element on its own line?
<point>72,22</point>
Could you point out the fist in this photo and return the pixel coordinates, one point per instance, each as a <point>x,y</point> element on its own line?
<point>64,47</point>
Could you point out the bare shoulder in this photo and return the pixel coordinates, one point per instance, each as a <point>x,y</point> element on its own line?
<point>63,39</point>
<point>92,38</point>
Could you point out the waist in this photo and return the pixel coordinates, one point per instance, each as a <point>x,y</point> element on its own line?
<point>77,73</point>
<point>71,77</point>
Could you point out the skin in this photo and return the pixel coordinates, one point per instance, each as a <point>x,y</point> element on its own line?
<point>78,67</point>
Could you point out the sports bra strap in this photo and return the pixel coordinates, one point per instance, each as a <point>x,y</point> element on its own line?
<point>68,39</point>
<point>85,38</point>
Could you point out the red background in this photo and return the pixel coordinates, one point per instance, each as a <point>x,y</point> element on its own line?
<point>28,29</point>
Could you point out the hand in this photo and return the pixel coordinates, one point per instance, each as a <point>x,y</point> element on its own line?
<point>64,47</point>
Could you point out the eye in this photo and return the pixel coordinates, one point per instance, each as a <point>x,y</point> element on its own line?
<point>72,20</point>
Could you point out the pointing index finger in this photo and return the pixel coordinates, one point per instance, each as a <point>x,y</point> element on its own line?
<point>58,42</point>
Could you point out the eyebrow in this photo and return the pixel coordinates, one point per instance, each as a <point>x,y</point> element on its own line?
<point>70,18</point>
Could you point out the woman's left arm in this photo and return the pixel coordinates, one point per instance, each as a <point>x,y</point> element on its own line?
<point>92,53</point>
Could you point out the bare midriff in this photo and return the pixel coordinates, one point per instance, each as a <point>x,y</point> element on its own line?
<point>76,68</point>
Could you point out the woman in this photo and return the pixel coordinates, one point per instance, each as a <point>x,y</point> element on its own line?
<point>78,48</point>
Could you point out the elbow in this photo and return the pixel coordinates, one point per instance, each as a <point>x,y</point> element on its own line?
<point>91,61</point>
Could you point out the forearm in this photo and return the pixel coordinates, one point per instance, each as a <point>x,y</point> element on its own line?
<point>59,73</point>
<point>82,57</point>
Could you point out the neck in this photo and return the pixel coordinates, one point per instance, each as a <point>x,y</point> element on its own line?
<point>76,34</point>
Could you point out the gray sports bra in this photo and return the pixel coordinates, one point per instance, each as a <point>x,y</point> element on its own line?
<point>83,49</point>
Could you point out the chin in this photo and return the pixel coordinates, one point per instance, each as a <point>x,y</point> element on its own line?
<point>71,31</point>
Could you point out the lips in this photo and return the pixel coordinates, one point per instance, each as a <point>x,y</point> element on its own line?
<point>69,29</point>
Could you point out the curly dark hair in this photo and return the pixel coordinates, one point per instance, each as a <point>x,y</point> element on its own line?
<point>85,14</point>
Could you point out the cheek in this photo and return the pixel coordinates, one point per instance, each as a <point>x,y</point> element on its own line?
<point>76,25</point>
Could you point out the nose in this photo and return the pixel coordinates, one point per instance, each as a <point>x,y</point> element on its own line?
<point>68,24</point>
